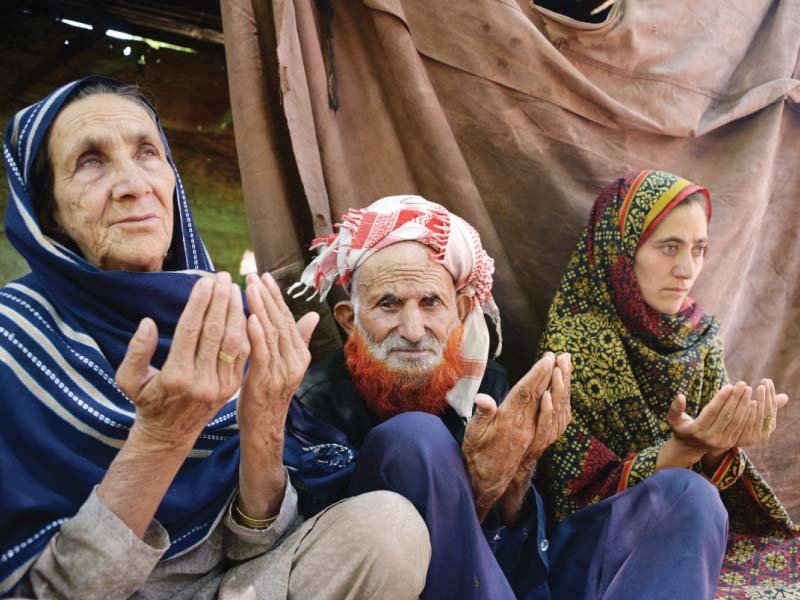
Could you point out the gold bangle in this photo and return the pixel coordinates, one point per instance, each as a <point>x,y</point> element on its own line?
<point>249,522</point>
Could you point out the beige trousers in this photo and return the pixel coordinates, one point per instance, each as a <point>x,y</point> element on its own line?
<point>370,546</point>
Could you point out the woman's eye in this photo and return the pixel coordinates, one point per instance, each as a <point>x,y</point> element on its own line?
<point>700,250</point>
<point>670,249</point>
<point>149,152</point>
<point>89,161</point>
<point>430,302</point>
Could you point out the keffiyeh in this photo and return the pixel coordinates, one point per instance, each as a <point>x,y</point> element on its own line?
<point>454,244</point>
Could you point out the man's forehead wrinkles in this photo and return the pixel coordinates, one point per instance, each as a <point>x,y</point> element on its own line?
<point>402,277</point>
<point>398,269</point>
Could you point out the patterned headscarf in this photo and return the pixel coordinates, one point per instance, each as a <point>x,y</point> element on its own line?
<point>623,218</point>
<point>454,244</point>
<point>630,361</point>
<point>64,329</point>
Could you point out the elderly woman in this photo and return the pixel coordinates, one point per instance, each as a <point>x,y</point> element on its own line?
<point>128,466</point>
<point>649,387</point>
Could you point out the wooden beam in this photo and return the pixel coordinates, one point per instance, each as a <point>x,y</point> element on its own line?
<point>163,22</point>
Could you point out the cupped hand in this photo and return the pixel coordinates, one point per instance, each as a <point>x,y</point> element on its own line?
<point>202,371</point>
<point>763,416</point>
<point>720,423</point>
<point>497,438</point>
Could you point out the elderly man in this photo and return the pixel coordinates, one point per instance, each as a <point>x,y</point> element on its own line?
<point>411,405</point>
<point>138,456</point>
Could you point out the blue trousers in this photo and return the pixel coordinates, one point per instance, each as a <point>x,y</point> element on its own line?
<point>662,539</point>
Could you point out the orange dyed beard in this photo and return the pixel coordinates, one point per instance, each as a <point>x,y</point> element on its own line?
<point>388,392</point>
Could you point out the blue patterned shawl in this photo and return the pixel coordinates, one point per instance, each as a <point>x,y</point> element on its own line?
<point>64,329</point>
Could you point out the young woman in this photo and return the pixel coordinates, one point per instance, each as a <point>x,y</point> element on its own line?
<point>650,389</point>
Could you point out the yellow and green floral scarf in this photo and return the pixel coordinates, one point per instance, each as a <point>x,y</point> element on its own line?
<point>629,362</point>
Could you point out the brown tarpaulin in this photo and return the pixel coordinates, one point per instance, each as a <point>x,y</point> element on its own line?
<point>515,119</point>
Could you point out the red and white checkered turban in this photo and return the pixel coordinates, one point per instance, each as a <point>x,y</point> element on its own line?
<point>454,244</point>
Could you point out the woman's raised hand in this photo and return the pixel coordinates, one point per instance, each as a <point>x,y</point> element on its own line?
<point>733,418</point>
<point>763,414</point>
<point>278,362</point>
<point>279,358</point>
<point>719,424</point>
<point>203,368</point>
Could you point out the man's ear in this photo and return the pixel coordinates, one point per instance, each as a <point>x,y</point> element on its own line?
<point>464,306</point>
<point>345,315</point>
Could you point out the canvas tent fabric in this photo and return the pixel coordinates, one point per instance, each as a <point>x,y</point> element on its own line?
<point>514,118</point>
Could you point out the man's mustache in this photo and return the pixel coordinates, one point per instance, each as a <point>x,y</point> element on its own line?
<point>427,343</point>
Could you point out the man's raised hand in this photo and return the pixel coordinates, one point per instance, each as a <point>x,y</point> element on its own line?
<point>497,438</point>
<point>554,415</point>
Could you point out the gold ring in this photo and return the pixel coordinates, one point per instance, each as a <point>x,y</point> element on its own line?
<point>768,422</point>
<point>227,358</point>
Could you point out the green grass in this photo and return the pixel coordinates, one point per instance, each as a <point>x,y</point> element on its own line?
<point>12,265</point>
<point>223,227</point>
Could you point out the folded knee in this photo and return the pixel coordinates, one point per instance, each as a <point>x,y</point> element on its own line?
<point>389,532</point>
<point>693,494</point>
<point>412,454</point>
<point>374,545</point>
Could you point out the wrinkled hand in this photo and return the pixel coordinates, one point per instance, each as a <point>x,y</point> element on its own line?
<point>555,413</point>
<point>279,359</point>
<point>763,415</point>
<point>175,403</point>
<point>497,438</point>
<point>552,424</point>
